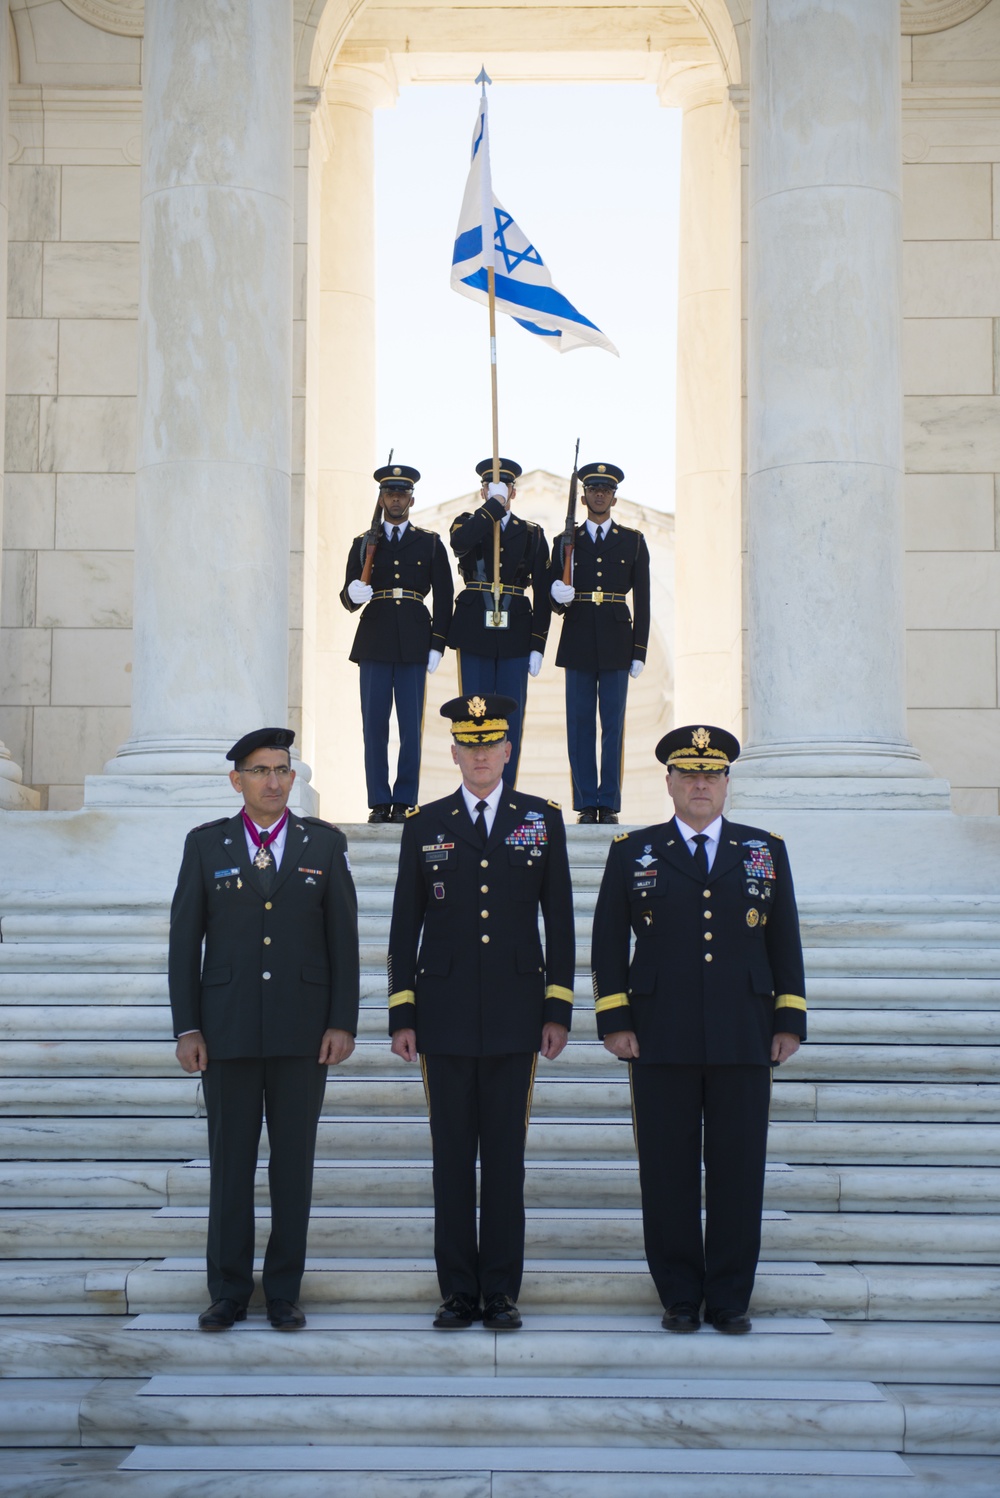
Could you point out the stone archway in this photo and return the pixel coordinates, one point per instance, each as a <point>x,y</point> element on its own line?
<point>359,57</point>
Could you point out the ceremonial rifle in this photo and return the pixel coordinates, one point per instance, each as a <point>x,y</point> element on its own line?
<point>569,533</point>
<point>371,538</point>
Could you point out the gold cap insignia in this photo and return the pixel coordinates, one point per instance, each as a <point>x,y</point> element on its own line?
<point>701,738</point>
<point>396,472</point>
<point>477,707</point>
<point>602,468</point>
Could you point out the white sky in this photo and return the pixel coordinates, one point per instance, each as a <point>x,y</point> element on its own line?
<point>590,173</point>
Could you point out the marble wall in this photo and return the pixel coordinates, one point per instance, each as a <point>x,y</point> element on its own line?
<point>951,382</point>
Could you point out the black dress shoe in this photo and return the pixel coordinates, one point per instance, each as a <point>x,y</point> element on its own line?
<point>458,1311</point>
<point>733,1323</point>
<point>285,1316</point>
<point>500,1314</point>
<point>221,1315</point>
<point>380,814</point>
<point>682,1317</point>
<point>398,813</point>
<point>606,815</point>
<point>588,814</point>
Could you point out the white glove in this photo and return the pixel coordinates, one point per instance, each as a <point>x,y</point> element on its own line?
<point>497,491</point>
<point>534,662</point>
<point>635,668</point>
<point>359,592</point>
<point>433,661</point>
<point>562,592</point>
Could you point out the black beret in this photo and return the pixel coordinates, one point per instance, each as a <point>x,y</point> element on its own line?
<point>261,738</point>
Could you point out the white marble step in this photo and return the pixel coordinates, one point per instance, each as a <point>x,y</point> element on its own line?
<point>873,1292</point>
<point>553,1184</point>
<point>556,1093</point>
<point>567,1233</point>
<point>850,991</point>
<point>950,1028</point>
<point>816,1061</point>
<point>407,1138</point>
<point>497,1473</point>
<point>570,1345</point>
<point>295,1472</point>
<point>644,1412</point>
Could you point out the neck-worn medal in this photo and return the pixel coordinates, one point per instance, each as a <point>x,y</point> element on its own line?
<point>263,858</point>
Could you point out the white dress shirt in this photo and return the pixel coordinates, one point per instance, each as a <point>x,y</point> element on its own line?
<point>592,529</point>
<point>492,802</point>
<point>394,525</point>
<point>713,832</point>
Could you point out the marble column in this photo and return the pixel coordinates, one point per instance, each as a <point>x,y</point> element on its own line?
<point>340,440</point>
<point>214,406</point>
<point>708,633</point>
<point>825,626</point>
<point>13,795</point>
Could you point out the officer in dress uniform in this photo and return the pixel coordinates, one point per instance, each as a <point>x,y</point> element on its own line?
<point>712,1001</point>
<point>397,642</point>
<point>273,1002</point>
<point>492,659</point>
<point>480,999</point>
<point>601,645</point>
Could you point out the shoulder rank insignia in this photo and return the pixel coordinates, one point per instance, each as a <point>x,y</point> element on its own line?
<point>556,804</point>
<point>411,811</point>
<point>620,837</point>
<point>777,835</point>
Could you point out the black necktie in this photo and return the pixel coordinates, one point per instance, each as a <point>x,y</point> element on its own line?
<point>480,822</point>
<point>393,535</point>
<point>700,855</point>
<point>600,534</point>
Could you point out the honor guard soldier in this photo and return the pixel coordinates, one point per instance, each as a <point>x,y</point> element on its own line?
<point>712,1001</point>
<point>602,644</point>
<point>474,995</point>
<point>271,1004</point>
<point>390,571</point>
<point>499,649</point>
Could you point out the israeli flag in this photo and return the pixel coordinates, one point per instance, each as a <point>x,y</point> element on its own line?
<point>523,286</point>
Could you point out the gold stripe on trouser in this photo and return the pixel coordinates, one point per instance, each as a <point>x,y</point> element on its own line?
<point>531,1090</point>
<point>458,661</point>
<point>427,1091</point>
<point>631,1099</point>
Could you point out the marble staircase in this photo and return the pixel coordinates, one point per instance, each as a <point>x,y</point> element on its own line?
<point>874,1368</point>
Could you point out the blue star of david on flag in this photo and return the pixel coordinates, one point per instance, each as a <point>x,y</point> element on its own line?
<point>522,284</point>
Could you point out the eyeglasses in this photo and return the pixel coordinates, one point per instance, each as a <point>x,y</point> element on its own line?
<point>264,772</point>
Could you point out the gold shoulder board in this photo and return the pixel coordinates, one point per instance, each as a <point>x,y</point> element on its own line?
<point>777,835</point>
<point>556,804</point>
<point>412,811</point>
<point>620,837</point>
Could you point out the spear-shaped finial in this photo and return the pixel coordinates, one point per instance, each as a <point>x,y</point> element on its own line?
<point>484,77</point>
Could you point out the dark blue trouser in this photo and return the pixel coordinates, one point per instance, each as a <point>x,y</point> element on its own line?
<point>482,674</point>
<point>381,681</point>
<point>584,691</point>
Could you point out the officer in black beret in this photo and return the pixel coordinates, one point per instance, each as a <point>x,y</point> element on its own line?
<point>601,645</point>
<point>497,654</point>
<point>398,642</point>
<point>712,1000</point>
<point>473,994</point>
<point>271,1004</point>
